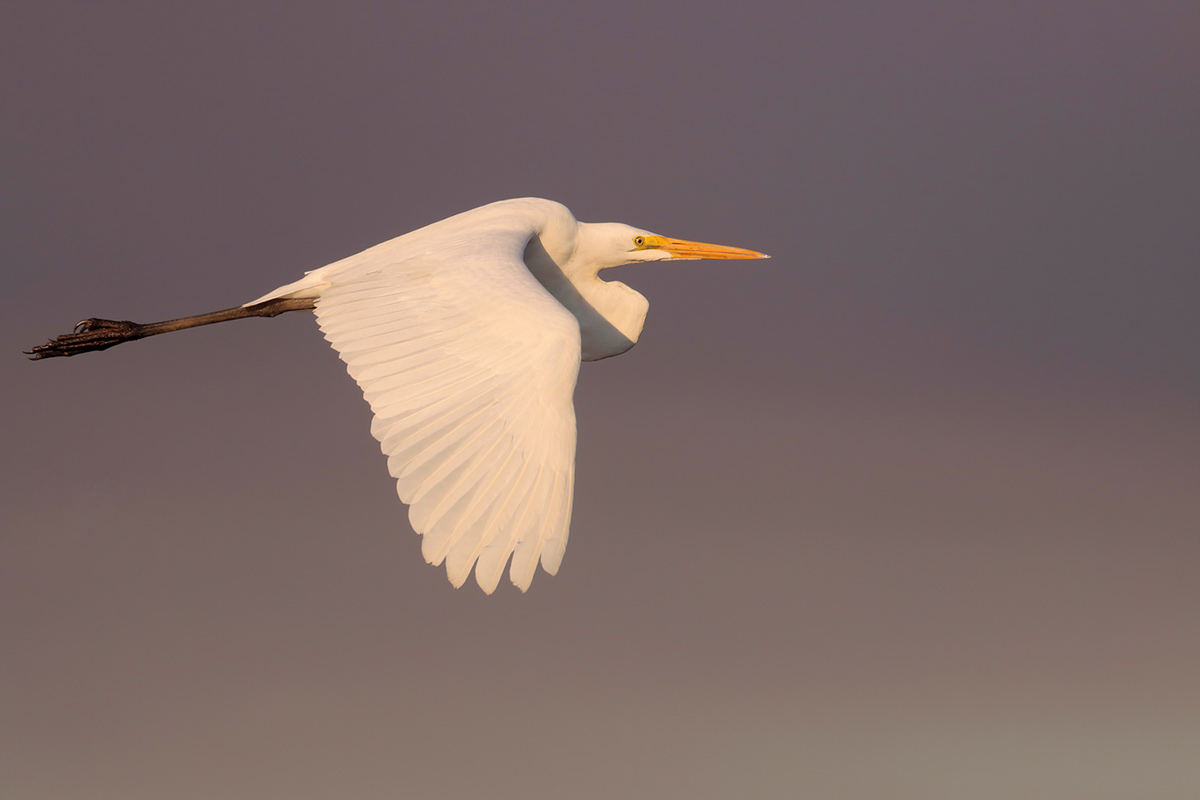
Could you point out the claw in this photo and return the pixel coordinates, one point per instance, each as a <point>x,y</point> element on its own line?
<point>89,335</point>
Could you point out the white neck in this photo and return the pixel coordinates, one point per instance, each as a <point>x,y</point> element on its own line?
<point>610,314</point>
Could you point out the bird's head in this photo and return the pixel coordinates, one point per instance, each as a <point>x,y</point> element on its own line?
<point>613,244</point>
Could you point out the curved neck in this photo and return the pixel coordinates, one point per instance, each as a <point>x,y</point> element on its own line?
<point>610,314</point>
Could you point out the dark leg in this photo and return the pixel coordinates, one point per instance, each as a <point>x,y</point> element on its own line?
<point>101,334</point>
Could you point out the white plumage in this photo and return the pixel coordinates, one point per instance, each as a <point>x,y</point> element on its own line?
<point>466,337</point>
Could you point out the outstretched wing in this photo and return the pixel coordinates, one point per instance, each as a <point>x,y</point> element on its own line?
<point>469,366</point>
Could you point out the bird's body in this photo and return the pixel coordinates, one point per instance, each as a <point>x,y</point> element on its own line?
<point>540,235</point>
<point>466,338</point>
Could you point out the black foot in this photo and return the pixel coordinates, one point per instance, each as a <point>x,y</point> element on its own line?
<point>89,335</point>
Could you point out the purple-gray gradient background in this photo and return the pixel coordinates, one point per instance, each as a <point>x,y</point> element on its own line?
<point>910,511</point>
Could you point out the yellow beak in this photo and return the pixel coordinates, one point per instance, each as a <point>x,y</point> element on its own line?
<point>681,248</point>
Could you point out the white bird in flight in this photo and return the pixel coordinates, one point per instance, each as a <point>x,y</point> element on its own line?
<point>466,337</point>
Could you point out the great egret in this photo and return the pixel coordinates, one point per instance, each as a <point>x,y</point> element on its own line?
<point>466,338</point>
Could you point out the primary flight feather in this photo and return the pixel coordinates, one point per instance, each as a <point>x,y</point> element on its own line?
<point>466,337</point>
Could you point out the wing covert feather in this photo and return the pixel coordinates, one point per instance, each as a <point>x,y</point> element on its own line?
<point>469,366</point>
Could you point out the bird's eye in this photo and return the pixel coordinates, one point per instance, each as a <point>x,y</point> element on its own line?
<point>639,240</point>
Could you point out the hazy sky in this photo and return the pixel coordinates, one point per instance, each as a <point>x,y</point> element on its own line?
<point>911,510</point>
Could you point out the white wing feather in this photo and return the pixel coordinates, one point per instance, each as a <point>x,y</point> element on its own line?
<point>469,366</point>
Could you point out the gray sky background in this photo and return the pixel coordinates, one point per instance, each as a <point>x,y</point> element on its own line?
<point>911,510</point>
